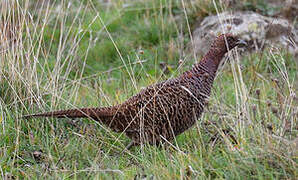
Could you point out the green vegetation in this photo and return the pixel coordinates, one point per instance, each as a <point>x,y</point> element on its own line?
<point>65,54</point>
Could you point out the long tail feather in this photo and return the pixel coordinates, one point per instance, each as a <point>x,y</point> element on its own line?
<point>94,113</point>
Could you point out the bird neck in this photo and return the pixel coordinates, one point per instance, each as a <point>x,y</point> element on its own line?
<point>210,62</point>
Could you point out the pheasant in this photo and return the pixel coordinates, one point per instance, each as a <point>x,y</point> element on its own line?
<point>164,110</point>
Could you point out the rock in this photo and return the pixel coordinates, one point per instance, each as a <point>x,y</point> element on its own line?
<point>259,31</point>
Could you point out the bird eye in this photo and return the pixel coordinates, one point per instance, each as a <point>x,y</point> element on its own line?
<point>232,39</point>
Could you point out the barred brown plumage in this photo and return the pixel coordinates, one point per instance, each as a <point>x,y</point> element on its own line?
<point>163,110</point>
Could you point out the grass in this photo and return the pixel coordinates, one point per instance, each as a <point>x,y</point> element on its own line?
<point>64,54</point>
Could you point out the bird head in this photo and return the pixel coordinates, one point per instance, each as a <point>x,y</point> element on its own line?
<point>226,42</point>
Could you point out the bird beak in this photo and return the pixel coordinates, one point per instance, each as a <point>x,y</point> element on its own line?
<point>241,43</point>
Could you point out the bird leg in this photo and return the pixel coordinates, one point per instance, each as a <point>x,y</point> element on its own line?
<point>128,147</point>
